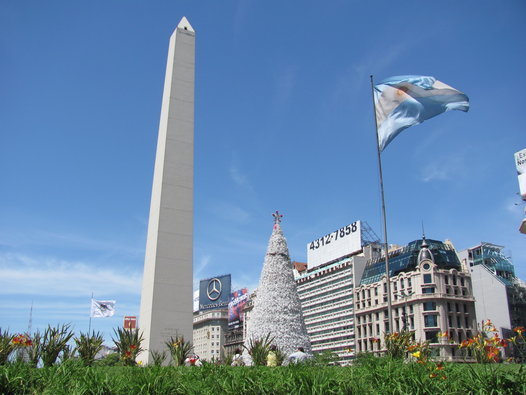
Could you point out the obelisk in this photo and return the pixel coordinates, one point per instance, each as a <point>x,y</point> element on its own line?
<point>166,298</point>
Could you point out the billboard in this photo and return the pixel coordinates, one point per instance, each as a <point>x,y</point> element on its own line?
<point>238,299</point>
<point>214,293</point>
<point>520,163</point>
<point>343,241</point>
<point>130,322</point>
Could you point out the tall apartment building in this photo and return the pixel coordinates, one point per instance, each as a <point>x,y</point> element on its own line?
<point>326,295</point>
<point>431,294</point>
<point>499,295</point>
<point>210,327</point>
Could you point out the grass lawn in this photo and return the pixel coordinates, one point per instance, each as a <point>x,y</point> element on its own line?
<point>377,376</point>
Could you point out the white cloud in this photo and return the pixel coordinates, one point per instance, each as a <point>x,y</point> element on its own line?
<point>449,168</point>
<point>239,178</point>
<point>25,275</point>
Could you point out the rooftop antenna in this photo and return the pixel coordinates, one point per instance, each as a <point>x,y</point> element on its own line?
<point>423,230</point>
<point>30,323</point>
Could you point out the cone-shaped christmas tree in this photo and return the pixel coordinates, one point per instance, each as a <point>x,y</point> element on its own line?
<point>277,308</point>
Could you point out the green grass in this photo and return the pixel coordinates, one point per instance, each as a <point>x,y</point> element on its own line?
<point>378,376</point>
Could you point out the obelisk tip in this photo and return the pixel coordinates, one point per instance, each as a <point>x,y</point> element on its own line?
<point>185,25</point>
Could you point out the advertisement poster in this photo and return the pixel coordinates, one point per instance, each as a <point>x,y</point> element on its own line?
<point>214,293</point>
<point>238,299</point>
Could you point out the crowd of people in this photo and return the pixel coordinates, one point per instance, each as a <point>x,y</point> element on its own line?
<point>299,356</point>
<point>240,359</point>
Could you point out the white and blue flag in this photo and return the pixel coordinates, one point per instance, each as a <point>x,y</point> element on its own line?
<point>408,100</point>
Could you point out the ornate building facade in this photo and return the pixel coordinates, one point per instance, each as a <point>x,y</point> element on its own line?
<point>431,295</point>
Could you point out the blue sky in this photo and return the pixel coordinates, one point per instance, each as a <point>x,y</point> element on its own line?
<point>283,122</point>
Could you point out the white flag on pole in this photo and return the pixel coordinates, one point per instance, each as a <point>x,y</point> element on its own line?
<point>102,308</point>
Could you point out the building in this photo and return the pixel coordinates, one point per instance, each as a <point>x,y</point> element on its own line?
<point>499,295</point>
<point>431,294</point>
<point>210,320</point>
<point>210,328</point>
<point>325,287</point>
<point>326,295</point>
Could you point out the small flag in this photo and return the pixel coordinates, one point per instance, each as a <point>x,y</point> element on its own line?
<point>408,100</point>
<point>102,308</point>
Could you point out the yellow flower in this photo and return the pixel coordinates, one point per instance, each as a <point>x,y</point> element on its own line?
<point>416,354</point>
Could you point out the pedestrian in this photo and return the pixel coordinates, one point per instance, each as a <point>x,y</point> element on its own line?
<point>298,356</point>
<point>237,360</point>
<point>193,360</point>
<point>272,358</point>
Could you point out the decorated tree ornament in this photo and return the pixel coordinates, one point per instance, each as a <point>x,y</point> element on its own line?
<point>277,307</point>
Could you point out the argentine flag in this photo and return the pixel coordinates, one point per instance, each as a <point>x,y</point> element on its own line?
<point>408,100</point>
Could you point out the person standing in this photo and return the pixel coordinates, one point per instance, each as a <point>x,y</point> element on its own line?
<point>298,356</point>
<point>272,358</point>
<point>237,360</point>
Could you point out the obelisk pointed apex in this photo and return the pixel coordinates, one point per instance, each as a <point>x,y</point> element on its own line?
<point>185,25</point>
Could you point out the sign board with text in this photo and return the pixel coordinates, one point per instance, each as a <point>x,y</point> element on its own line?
<point>214,293</point>
<point>341,242</point>
<point>520,163</point>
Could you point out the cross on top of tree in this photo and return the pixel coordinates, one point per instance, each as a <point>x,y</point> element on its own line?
<point>277,217</point>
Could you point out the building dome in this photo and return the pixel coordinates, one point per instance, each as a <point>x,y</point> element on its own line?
<point>425,254</point>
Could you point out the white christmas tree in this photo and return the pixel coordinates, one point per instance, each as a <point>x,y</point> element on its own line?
<point>277,307</point>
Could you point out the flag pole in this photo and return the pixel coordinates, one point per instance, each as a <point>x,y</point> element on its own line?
<point>386,245</point>
<point>91,303</point>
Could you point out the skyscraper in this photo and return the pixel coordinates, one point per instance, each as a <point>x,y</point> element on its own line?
<point>166,298</point>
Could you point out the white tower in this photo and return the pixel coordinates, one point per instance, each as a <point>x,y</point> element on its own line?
<point>166,298</point>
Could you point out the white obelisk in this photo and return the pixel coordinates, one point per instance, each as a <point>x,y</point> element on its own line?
<point>166,299</point>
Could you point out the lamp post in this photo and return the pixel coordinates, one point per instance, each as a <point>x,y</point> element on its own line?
<point>405,296</point>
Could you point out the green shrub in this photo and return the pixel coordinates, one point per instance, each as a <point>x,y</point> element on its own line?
<point>54,342</point>
<point>128,343</point>
<point>258,349</point>
<point>179,349</point>
<point>6,346</point>
<point>88,346</point>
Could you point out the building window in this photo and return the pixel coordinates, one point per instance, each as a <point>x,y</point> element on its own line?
<point>457,308</point>
<point>446,279</point>
<point>409,283</point>
<point>412,321</point>
<point>450,321</point>
<point>432,336</point>
<point>462,281</point>
<point>428,290</point>
<point>430,306</point>
<point>449,306</point>
<point>428,279</point>
<point>466,321</point>
<point>454,280</point>
<point>401,283</point>
<point>430,321</point>
<point>459,323</point>
<point>375,291</point>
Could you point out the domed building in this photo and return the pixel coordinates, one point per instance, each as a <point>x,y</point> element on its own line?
<point>431,294</point>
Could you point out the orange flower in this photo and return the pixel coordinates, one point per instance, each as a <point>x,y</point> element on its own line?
<point>133,347</point>
<point>440,366</point>
<point>412,347</point>
<point>519,330</point>
<point>433,375</point>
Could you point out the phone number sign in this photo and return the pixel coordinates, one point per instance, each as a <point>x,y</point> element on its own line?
<point>343,241</point>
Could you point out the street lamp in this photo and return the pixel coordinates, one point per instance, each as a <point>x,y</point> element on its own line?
<point>405,296</point>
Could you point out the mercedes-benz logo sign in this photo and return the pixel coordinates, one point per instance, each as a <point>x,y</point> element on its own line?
<point>213,289</point>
